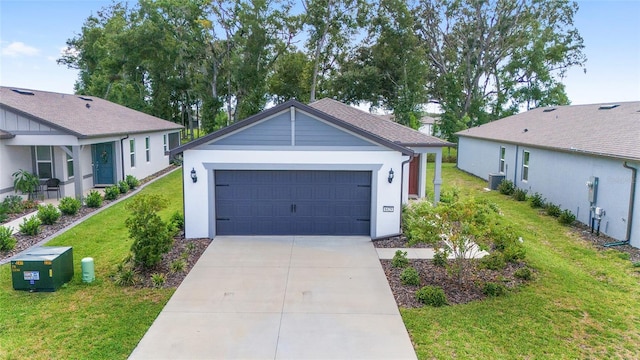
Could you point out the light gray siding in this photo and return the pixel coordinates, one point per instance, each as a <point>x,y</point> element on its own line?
<point>272,132</point>
<point>561,178</point>
<point>17,124</point>
<point>312,132</point>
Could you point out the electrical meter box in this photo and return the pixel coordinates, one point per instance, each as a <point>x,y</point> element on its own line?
<point>43,268</point>
<point>592,185</point>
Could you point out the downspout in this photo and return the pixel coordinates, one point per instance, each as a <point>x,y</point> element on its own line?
<point>632,197</point>
<point>122,154</point>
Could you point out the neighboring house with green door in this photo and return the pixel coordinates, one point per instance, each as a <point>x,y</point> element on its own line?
<point>83,141</point>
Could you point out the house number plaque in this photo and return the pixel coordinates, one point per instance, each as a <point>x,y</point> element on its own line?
<point>387,209</point>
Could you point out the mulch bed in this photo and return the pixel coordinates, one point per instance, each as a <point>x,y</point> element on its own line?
<point>398,242</point>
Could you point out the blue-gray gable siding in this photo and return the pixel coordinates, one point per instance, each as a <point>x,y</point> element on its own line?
<point>277,131</point>
<point>561,178</point>
<point>312,132</point>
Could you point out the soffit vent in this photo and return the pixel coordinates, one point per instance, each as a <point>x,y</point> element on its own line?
<point>608,107</point>
<point>23,92</point>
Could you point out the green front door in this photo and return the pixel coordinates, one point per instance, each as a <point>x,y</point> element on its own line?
<point>103,164</point>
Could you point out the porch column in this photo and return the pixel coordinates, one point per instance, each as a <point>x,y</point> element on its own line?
<point>437,180</point>
<point>77,172</point>
<point>422,182</point>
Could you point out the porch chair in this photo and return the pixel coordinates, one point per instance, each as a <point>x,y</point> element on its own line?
<point>53,184</point>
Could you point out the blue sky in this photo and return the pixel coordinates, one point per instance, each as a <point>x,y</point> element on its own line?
<point>33,33</point>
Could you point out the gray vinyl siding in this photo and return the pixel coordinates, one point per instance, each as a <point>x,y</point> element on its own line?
<point>561,178</point>
<point>271,132</point>
<point>312,132</point>
<point>17,124</point>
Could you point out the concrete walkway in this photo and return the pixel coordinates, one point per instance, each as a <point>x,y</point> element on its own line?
<point>281,297</point>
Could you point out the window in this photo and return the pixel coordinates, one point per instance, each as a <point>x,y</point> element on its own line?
<point>147,148</point>
<point>525,166</point>
<point>69,164</point>
<point>132,152</point>
<point>165,144</point>
<point>503,151</point>
<point>44,162</point>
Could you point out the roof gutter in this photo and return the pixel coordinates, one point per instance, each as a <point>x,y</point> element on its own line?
<point>632,197</point>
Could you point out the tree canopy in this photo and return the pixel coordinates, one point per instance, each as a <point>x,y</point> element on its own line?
<point>224,60</point>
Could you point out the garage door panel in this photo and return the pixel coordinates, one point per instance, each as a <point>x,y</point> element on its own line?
<point>292,202</point>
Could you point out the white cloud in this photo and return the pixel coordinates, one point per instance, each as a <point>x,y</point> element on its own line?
<point>17,48</point>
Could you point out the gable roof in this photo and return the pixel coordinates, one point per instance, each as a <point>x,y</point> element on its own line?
<point>82,116</point>
<point>6,135</point>
<point>592,129</point>
<point>377,125</point>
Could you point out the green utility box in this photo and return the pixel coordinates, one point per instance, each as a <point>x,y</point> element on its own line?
<point>43,268</point>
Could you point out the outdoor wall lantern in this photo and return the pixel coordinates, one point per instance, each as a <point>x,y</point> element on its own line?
<point>390,176</point>
<point>194,177</point>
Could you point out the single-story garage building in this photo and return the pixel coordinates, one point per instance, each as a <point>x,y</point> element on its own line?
<point>82,141</point>
<point>584,158</point>
<point>320,169</point>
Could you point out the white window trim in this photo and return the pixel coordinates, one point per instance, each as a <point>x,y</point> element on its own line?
<point>69,160</point>
<point>132,152</point>
<point>525,164</point>
<point>165,142</point>
<point>147,148</point>
<point>38,161</point>
<point>502,163</point>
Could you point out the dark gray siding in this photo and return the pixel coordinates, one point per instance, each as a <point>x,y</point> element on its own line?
<point>275,131</point>
<point>312,132</point>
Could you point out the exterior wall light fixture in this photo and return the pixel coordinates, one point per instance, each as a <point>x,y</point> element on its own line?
<point>390,176</point>
<point>194,177</point>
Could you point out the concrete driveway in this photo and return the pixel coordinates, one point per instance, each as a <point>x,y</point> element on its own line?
<point>284,297</point>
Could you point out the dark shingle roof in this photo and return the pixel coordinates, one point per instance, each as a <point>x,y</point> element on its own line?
<point>70,113</point>
<point>611,132</point>
<point>377,125</point>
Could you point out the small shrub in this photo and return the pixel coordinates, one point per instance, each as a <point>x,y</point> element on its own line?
<point>151,237</point>
<point>624,256</point>
<point>191,247</point>
<point>519,195</point>
<point>30,226</point>
<point>449,196</point>
<point>493,261</point>
<point>636,264</point>
<point>177,219</point>
<point>94,199</point>
<point>48,214</point>
<point>566,218</point>
<point>432,296</point>
<point>29,204</point>
<point>440,258</point>
<point>523,273</point>
<point>158,280</point>
<point>124,187</point>
<point>4,211</point>
<point>112,192</point>
<point>14,204</point>
<point>132,181</point>
<point>400,259</point>
<point>553,210</point>
<point>178,265</point>
<point>508,241</point>
<point>494,289</point>
<point>410,276</point>
<point>536,201</point>
<point>506,187</point>
<point>126,277</point>
<point>7,241</point>
<point>69,205</point>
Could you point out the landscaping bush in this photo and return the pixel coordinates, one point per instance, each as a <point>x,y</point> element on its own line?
<point>494,289</point>
<point>158,280</point>
<point>132,181</point>
<point>419,223</point>
<point>523,273</point>
<point>432,296</point>
<point>69,205</point>
<point>449,196</point>
<point>536,201</point>
<point>410,276</point>
<point>123,186</point>
<point>7,241</point>
<point>4,212</point>
<point>508,241</point>
<point>400,259</point>
<point>30,226</point>
<point>520,195</point>
<point>553,210</point>
<point>112,192</point>
<point>177,219</point>
<point>493,261</point>
<point>151,237</point>
<point>566,218</point>
<point>93,199</point>
<point>126,277</point>
<point>14,204</point>
<point>440,258</point>
<point>178,265</point>
<point>506,187</point>
<point>48,214</point>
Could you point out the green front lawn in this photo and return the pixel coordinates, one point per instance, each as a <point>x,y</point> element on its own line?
<point>96,321</point>
<point>584,304</point>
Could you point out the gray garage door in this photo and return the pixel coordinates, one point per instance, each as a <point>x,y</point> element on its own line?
<point>251,202</point>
